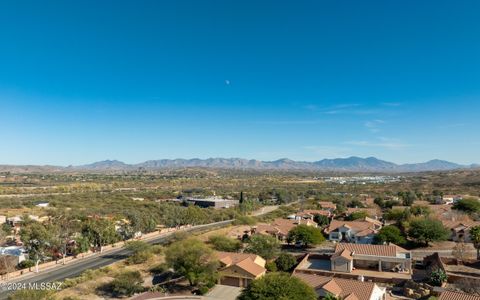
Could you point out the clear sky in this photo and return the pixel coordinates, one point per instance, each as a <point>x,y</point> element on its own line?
<point>82,81</point>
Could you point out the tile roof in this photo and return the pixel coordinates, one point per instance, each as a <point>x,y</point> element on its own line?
<point>345,253</point>
<point>449,295</point>
<point>355,225</point>
<point>327,204</point>
<point>282,226</point>
<point>245,261</point>
<point>457,224</point>
<point>231,258</point>
<point>365,249</point>
<point>351,289</point>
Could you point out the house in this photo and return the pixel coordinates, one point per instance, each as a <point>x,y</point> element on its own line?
<point>460,230</point>
<point>359,231</point>
<point>326,205</point>
<point>14,251</point>
<point>382,257</point>
<point>239,269</point>
<point>345,289</point>
<point>451,199</point>
<point>280,228</point>
<point>309,214</point>
<point>451,295</point>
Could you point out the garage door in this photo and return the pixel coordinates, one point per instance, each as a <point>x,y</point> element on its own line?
<point>232,281</point>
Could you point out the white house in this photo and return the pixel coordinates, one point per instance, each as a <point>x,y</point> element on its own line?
<point>360,231</point>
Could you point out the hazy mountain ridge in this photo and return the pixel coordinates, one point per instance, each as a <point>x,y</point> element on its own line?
<point>350,164</point>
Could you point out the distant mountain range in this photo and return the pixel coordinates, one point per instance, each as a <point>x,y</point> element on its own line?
<point>351,164</point>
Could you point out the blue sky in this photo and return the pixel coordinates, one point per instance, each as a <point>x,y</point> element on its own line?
<point>136,80</point>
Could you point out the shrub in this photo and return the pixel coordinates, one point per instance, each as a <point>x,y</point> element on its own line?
<point>437,277</point>
<point>26,264</point>
<point>126,284</point>
<point>271,266</point>
<point>244,220</point>
<point>140,257</point>
<point>223,243</point>
<point>158,269</point>
<point>285,262</point>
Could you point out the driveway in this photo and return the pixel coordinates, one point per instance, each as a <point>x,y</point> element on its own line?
<point>224,292</point>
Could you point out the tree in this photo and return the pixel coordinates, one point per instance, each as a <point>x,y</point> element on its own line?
<point>321,220</point>
<point>265,246</point>
<point>285,262</point>
<point>126,284</point>
<point>408,197</point>
<point>141,252</point>
<point>278,286</point>
<point>420,210</point>
<point>467,205</point>
<point>306,235</point>
<point>356,203</point>
<point>330,296</point>
<point>37,241</point>
<point>357,215</point>
<point>100,232</point>
<point>194,260</point>
<point>390,234</point>
<point>427,230</point>
<point>223,243</point>
<point>475,237</point>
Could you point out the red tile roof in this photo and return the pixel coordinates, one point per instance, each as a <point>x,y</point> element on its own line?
<point>365,249</point>
<point>449,295</point>
<point>343,288</point>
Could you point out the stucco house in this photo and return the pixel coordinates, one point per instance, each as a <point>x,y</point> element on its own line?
<point>348,257</point>
<point>239,269</point>
<point>359,231</point>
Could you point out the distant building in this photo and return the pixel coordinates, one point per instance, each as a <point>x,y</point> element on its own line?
<point>42,204</point>
<point>346,289</point>
<point>213,202</point>
<point>451,199</point>
<point>3,219</point>
<point>240,269</point>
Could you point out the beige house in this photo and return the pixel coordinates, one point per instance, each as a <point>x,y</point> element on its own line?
<point>345,289</point>
<point>239,269</point>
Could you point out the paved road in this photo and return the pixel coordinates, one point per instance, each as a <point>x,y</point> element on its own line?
<point>94,262</point>
<point>74,269</point>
